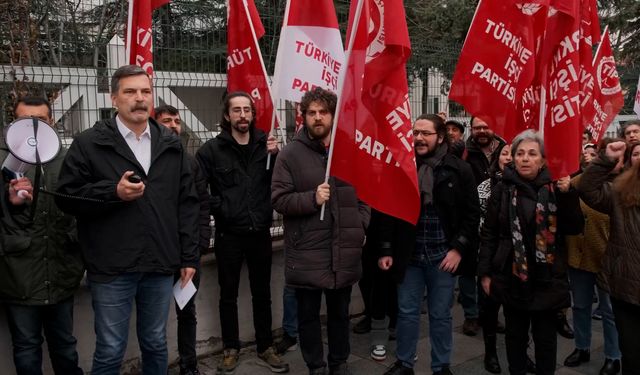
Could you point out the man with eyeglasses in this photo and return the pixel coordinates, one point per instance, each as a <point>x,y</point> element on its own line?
<point>235,166</point>
<point>446,241</point>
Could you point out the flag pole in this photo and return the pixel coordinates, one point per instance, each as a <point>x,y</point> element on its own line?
<point>606,28</point>
<point>127,48</point>
<point>276,72</point>
<point>264,71</point>
<point>341,78</point>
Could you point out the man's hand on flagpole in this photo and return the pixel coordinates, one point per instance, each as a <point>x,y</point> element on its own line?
<point>272,145</point>
<point>322,193</point>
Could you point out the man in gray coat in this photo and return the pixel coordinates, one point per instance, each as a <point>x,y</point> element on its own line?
<point>322,256</point>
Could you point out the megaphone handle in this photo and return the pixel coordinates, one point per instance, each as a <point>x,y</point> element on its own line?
<point>21,193</point>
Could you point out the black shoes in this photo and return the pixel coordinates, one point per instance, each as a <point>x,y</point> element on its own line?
<point>470,327</point>
<point>189,371</point>
<point>399,369</point>
<point>563,327</point>
<point>444,371</point>
<point>287,344</point>
<point>577,357</point>
<point>363,326</point>
<point>491,362</point>
<point>611,367</point>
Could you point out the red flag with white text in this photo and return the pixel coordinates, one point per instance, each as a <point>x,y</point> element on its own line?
<point>373,145</point>
<point>245,67</point>
<point>498,62</point>
<point>608,98</point>
<point>139,38</point>
<point>310,52</point>
<point>563,119</point>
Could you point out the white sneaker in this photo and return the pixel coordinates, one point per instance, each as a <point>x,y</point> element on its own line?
<point>379,352</point>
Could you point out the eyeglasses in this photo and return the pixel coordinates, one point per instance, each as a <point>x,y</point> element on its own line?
<point>424,133</point>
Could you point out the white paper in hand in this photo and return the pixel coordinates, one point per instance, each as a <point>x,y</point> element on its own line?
<point>183,295</point>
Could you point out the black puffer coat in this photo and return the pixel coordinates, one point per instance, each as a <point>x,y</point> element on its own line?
<point>319,254</point>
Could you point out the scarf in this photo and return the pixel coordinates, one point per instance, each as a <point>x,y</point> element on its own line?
<point>545,231</point>
<point>425,172</point>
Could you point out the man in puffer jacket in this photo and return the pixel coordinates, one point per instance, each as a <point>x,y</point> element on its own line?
<point>322,256</point>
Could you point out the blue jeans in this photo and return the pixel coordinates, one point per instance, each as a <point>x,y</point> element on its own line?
<point>582,283</point>
<point>112,302</point>
<point>290,311</point>
<point>468,297</point>
<point>26,324</point>
<point>440,286</point>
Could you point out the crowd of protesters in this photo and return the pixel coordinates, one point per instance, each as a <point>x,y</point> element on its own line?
<point>127,204</point>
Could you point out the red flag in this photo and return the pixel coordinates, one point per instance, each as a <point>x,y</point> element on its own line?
<point>373,145</point>
<point>608,99</point>
<point>563,120</point>
<point>245,67</point>
<point>498,62</point>
<point>139,46</point>
<point>590,35</point>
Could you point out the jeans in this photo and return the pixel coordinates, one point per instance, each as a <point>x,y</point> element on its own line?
<point>290,311</point>
<point>440,286</point>
<point>543,331</point>
<point>26,324</point>
<point>231,250</point>
<point>187,323</point>
<point>628,323</point>
<point>112,303</point>
<point>582,283</point>
<point>468,297</point>
<point>310,329</point>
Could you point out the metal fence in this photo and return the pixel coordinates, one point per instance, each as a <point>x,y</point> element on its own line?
<point>67,50</point>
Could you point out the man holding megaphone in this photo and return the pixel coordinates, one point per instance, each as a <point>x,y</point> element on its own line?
<point>40,263</point>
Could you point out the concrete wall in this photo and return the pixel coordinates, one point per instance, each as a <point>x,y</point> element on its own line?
<point>208,320</point>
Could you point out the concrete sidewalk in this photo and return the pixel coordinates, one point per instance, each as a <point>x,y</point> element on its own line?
<point>467,356</point>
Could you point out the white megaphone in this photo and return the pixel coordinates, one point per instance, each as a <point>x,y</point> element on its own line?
<point>30,141</point>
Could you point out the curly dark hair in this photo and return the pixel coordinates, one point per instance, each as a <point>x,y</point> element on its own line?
<point>438,124</point>
<point>318,94</point>
<point>226,104</point>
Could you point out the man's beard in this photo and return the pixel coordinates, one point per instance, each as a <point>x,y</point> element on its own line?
<point>318,132</point>
<point>240,128</point>
<point>486,141</point>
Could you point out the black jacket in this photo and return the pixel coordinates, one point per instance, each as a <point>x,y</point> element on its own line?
<point>40,261</point>
<point>204,218</point>
<point>239,182</point>
<point>548,287</point>
<point>478,161</point>
<point>155,233</point>
<point>456,201</point>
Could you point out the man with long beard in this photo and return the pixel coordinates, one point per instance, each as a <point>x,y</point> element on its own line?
<point>235,165</point>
